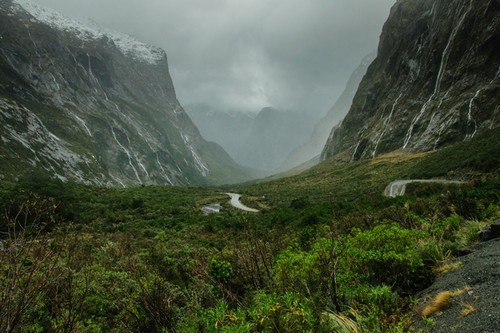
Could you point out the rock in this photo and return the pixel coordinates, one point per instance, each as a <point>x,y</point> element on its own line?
<point>435,81</point>
<point>491,231</point>
<point>479,275</point>
<point>323,128</point>
<point>82,103</point>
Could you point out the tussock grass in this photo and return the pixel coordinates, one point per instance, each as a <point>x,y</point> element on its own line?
<point>341,323</point>
<point>468,309</point>
<point>442,301</point>
<point>447,267</point>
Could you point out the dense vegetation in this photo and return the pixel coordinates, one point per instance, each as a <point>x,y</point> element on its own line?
<point>327,252</point>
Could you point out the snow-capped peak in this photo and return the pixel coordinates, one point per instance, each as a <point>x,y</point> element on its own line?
<point>128,45</point>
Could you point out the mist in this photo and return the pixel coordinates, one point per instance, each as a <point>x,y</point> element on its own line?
<point>232,60</point>
<point>246,55</point>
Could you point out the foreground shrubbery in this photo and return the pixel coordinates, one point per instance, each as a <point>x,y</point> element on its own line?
<point>244,274</point>
<point>327,253</point>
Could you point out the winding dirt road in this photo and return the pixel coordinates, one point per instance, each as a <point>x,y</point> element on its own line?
<point>235,202</point>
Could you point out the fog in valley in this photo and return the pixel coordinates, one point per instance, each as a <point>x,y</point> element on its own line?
<point>255,76</point>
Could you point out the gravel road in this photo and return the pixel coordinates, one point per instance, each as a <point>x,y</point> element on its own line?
<point>235,202</point>
<point>397,188</point>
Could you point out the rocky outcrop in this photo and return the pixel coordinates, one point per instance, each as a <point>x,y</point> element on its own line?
<point>435,81</point>
<point>476,308</point>
<point>82,103</point>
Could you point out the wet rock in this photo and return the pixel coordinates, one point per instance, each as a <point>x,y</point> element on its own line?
<point>435,80</point>
<point>492,231</point>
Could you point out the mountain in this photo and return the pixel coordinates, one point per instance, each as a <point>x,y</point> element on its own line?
<point>260,141</point>
<point>225,128</point>
<point>313,148</point>
<point>435,81</point>
<point>82,103</point>
<point>272,136</point>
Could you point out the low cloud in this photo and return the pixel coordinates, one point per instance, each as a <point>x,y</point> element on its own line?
<point>243,55</point>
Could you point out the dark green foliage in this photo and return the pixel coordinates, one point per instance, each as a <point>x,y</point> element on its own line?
<point>387,255</point>
<point>220,271</point>
<point>326,249</point>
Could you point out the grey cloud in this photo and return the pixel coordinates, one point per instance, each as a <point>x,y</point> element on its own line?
<point>243,55</point>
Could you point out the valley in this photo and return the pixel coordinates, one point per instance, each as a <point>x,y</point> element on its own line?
<point>123,211</point>
<point>150,250</point>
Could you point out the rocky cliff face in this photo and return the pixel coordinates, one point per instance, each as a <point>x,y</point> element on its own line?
<point>85,104</point>
<point>435,80</point>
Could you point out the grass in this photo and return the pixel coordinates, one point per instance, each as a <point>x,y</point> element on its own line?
<point>362,181</point>
<point>447,267</point>
<point>340,323</point>
<point>468,309</point>
<point>442,301</point>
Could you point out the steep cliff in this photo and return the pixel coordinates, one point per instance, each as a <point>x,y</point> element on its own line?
<point>435,80</point>
<point>82,103</point>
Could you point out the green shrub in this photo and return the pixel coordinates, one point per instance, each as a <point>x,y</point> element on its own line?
<point>386,255</point>
<point>220,270</point>
<point>286,312</point>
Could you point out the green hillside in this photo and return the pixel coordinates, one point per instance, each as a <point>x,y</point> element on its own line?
<point>326,253</point>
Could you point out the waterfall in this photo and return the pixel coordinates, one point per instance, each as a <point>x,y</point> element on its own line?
<point>163,169</point>
<point>355,150</point>
<point>83,123</point>
<point>442,67</point>
<point>128,155</point>
<point>470,119</point>
<point>386,122</point>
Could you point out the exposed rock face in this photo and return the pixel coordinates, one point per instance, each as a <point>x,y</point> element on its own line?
<point>94,106</point>
<point>435,80</point>
<point>322,130</point>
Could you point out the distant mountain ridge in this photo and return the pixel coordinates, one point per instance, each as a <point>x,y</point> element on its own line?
<point>85,104</point>
<point>260,141</point>
<point>227,128</point>
<point>435,81</point>
<point>313,147</point>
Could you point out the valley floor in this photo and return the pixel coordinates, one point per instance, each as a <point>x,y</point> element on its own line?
<point>327,251</point>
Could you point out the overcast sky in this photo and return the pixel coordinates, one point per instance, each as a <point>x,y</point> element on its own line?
<point>243,55</point>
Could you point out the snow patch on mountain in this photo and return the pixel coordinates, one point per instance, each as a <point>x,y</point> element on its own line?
<point>128,45</point>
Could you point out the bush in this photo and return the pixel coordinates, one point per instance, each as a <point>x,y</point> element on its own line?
<point>386,255</point>
<point>286,312</point>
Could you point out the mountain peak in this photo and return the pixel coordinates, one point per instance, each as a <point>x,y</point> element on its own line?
<point>81,103</point>
<point>128,45</point>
